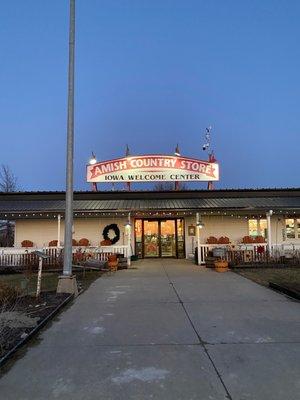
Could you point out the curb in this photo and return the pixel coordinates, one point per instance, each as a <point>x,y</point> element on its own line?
<point>282,289</point>
<point>5,358</point>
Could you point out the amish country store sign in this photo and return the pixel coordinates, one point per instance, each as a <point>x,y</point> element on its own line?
<point>152,168</point>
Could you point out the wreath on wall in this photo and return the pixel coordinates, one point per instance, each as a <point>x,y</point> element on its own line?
<point>115,229</point>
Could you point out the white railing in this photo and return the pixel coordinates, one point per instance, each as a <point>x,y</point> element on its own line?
<point>287,250</point>
<point>93,249</point>
<point>11,256</point>
<point>114,249</point>
<point>249,252</point>
<point>206,248</point>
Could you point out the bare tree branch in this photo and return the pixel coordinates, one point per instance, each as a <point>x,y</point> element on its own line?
<point>8,181</point>
<point>170,186</point>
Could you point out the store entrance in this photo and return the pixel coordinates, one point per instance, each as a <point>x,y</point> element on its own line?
<point>159,238</point>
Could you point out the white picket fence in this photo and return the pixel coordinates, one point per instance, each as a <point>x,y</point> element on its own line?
<point>11,256</point>
<point>252,252</point>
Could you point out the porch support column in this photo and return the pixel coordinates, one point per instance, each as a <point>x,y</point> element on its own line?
<point>128,233</point>
<point>198,238</point>
<point>268,215</point>
<point>58,230</point>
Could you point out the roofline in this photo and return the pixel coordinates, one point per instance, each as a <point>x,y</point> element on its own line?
<point>171,194</point>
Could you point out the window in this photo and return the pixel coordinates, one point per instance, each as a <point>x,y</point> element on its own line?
<point>263,227</point>
<point>290,228</point>
<point>252,224</point>
<point>138,237</point>
<point>257,227</point>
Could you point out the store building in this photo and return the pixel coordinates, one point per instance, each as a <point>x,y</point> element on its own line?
<point>162,224</point>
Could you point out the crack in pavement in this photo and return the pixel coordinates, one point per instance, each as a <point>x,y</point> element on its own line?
<point>201,342</point>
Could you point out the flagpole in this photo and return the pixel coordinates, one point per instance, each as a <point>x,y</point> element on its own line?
<point>67,282</point>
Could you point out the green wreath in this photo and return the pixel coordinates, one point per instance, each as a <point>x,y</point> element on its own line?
<point>111,227</point>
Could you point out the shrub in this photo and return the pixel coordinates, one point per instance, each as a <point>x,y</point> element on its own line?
<point>223,240</point>
<point>8,294</point>
<point>27,243</point>
<point>105,243</point>
<point>212,240</point>
<point>248,239</point>
<point>83,242</point>
<point>260,239</point>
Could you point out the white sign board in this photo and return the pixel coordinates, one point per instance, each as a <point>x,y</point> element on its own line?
<point>153,168</point>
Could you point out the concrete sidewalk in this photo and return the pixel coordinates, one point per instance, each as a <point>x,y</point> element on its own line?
<point>166,330</point>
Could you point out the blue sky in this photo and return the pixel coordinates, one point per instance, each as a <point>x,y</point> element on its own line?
<point>152,74</point>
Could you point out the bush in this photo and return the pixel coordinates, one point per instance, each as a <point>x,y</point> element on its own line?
<point>223,240</point>
<point>260,239</point>
<point>212,240</point>
<point>83,242</point>
<point>8,294</point>
<point>247,239</point>
<point>27,243</point>
<point>105,243</point>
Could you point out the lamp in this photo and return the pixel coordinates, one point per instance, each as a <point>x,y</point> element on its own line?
<point>177,151</point>
<point>93,159</point>
<point>200,224</point>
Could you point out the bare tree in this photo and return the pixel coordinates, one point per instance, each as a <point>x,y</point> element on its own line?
<point>8,183</point>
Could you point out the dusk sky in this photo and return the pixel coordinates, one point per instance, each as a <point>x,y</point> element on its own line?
<point>152,74</point>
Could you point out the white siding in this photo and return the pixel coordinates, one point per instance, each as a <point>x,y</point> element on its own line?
<point>42,231</point>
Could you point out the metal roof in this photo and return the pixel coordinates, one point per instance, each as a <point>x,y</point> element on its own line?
<point>190,202</point>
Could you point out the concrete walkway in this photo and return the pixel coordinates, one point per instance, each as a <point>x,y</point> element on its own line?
<point>166,330</point>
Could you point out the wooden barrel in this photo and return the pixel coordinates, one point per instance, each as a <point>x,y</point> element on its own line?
<point>221,266</point>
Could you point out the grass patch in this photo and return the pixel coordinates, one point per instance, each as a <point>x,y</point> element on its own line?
<point>27,284</point>
<point>289,277</point>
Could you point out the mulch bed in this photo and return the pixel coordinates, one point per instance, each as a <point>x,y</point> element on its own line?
<point>28,314</point>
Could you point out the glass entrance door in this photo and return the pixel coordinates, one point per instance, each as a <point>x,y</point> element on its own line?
<point>159,238</point>
<point>151,239</point>
<point>168,238</point>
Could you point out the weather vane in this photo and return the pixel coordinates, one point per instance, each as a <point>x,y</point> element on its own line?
<point>207,138</point>
<point>211,156</point>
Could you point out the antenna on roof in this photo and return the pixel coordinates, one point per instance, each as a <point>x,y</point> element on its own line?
<point>206,145</point>
<point>211,156</point>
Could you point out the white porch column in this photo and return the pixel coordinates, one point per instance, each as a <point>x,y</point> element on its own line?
<point>128,234</point>
<point>198,238</point>
<point>268,215</point>
<point>58,229</point>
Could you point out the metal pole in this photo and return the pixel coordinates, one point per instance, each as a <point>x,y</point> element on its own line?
<point>67,271</point>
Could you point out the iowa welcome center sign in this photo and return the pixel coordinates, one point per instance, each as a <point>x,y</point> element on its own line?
<point>153,168</point>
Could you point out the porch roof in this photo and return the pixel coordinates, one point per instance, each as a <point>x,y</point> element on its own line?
<point>15,205</point>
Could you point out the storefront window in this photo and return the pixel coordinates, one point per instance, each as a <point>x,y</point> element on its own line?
<point>263,227</point>
<point>180,238</point>
<point>290,228</point>
<point>257,227</point>
<point>138,237</point>
<point>252,224</point>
